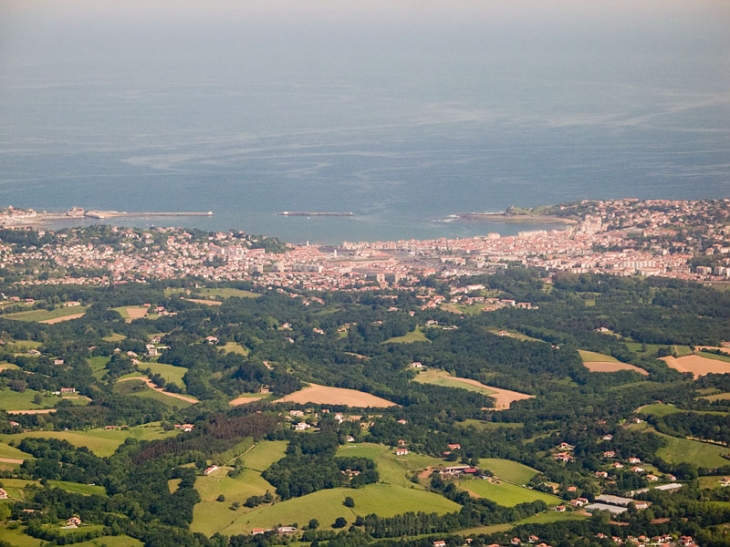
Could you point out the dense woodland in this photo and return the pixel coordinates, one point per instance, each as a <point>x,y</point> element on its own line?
<point>632,320</point>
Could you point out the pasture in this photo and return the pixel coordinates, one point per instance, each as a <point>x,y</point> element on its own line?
<point>101,442</point>
<point>264,454</point>
<point>508,470</point>
<point>503,398</point>
<point>326,506</point>
<point>169,372</point>
<point>234,347</point>
<point>416,335</point>
<point>698,365</point>
<point>393,469</point>
<point>12,400</point>
<point>695,452</point>
<point>598,362</point>
<point>140,386</point>
<point>12,453</point>
<point>594,357</point>
<point>505,493</point>
<point>78,488</point>
<point>324,395</point>
<point>45,316</point>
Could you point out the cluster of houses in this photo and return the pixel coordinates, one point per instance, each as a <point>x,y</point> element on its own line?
<point>279,530</point>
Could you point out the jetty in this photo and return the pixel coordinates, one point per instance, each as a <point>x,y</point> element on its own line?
<point>317,214</point>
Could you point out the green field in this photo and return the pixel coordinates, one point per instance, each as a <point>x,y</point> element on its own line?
<point>651,349</point>
<point>552,516</point>
<point>114,337</point>
<point>223,292</point>
<point>78,488</point>
<point>717,397</point>
<point>234,347</point>
<point>725,358</point>
<point>593,357</point>
<point>100,441</point>
<point>326,506</point>
<point>135,388</point>
<point>508,470</point>
<point>658,410</point>
<point>393,470</point>
<point>111,541</point>
<point>687,451</point>
<point>16,487</point>
<point>413,336</point>
<point>17,538</point>
<point>516,335</point>
<point>210,515</point>
<point>169,372</point>
<point>12,400</point>
<point>505,493</point>
<point>264,454</point>
<point>45,315</point>
<point>7,451</point>
<point>711,482</point>
<point>444,379</point>
<point>22,345</point>
<point>8,366</point>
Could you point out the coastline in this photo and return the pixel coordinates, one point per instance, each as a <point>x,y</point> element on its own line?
<point>515,219</point>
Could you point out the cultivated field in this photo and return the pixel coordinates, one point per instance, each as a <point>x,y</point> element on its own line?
<point>503,398</point>
<point>598,362</point>
<point>508,470</point>
<point>326,506</point>
<point>247,398</point>
<point>697,365</point>
<point>130,313</point>
<point>335,396</point>
<point>53,316</point>
<point>505,493</point>
<point>100,441</point>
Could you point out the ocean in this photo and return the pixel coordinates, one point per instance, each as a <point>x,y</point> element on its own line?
<point>403,115</point>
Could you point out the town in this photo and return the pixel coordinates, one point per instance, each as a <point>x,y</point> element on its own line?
<point>687,240</point>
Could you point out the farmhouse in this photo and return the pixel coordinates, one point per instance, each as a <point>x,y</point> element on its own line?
<point>3,494</point>
<point>401,451</point>
<point>209,470</point>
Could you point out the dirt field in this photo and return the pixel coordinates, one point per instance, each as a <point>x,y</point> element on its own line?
<point>246,400</point>
<point>137,312</point>
<point>335,396</point>
<point>502,397</point>
<point>604,366</point>
<point>698,366</point>
<point>60,319</point>
<point>11,460</point>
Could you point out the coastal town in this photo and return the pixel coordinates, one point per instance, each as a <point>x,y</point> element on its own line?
<point>687,240</point>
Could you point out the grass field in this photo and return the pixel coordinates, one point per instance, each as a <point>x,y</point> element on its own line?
<point>114,337</point>
<point>45,315</point>
<point>516,335</point>
<point>168,372</point>
<point>111,541</point>
<point>658,409</point>
<point>12,400</point>
<point>16,488</point>
<point>234,347</point>
<point>717,397</point>
<point>505,493</point>
<point>100,441</point>
<point>226,292</point>
<point>503,398</point>
<point>22,346</point>
<point>489,426</point>
<point>687,451</point>
<point>408,338</point>
<point>508,470</point>
<point>136,388</point>
<point>17,538</point>
<point>326,506</point>
<point>711,482</point>
<point>77,488</point>
<point>393,470</point>
<point>593,357</point>
<point>264,454</point>
<point>8,366</point>
<point>549,517</point>
<point>7,451</point>
<point>708,355</point>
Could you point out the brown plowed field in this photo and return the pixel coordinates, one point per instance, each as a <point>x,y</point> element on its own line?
<point>612,366</point>
<point>698,366</point>
<point>335,396</point>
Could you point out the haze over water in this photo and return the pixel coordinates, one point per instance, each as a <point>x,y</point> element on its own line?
<point>402,112</point>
